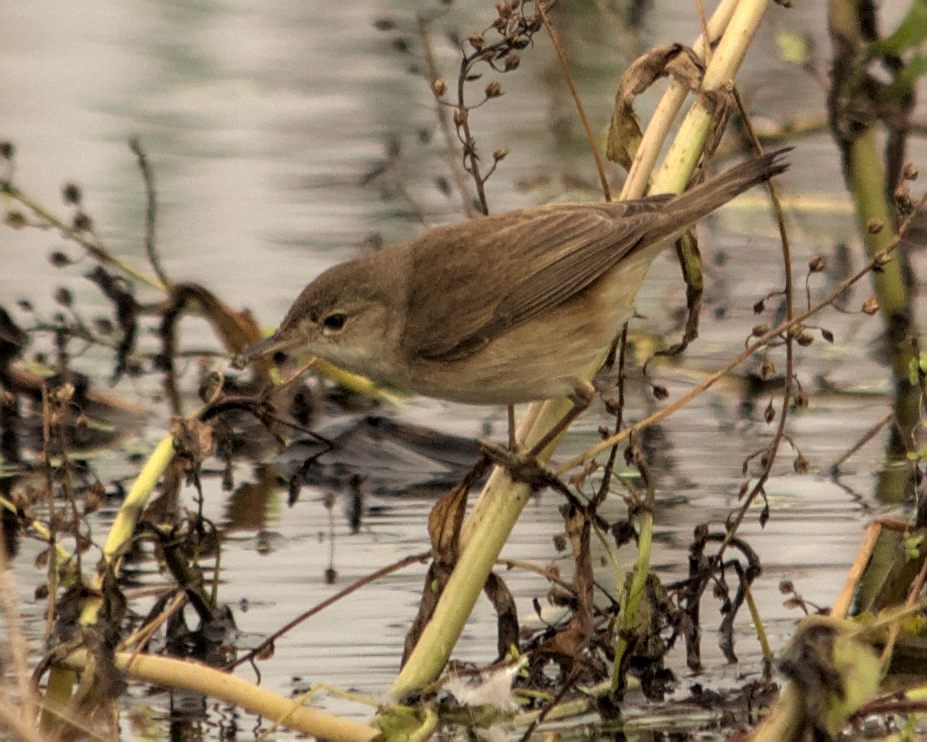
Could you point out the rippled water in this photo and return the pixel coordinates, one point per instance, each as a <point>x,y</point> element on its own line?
<point>267,125</point>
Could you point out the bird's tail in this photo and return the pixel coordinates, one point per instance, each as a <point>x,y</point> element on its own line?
<point>691,205</point>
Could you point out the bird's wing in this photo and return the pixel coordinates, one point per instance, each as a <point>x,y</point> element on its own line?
<point>540,257</point>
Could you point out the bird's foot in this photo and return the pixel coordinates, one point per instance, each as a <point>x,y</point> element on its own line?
<point>522,466</point>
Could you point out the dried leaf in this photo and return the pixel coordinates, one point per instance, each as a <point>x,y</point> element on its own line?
<point>624,134</point>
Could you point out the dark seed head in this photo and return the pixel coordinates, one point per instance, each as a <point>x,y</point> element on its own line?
<point>63,296</point>
<point>71,194</point>
<point>82,222</point>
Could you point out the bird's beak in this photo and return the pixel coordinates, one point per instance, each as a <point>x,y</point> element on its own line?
<point>272,344</point>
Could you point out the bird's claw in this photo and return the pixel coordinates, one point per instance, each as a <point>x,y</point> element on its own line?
<point>521,466</point>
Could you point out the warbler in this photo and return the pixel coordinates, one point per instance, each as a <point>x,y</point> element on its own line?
<point>499,309</point>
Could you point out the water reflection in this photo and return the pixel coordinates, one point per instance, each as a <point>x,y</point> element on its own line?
<point>284,137</point>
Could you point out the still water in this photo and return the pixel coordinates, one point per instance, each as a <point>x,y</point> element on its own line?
<point>285,137</point>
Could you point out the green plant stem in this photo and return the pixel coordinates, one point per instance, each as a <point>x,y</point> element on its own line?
<point>857,128</point>
<point>668,108</point>
<point>61,679</point>
<point>120,533</point>
<point>867,184</point>
<point>61,554</point>
<point>488,526</point>
<point>185,674</point>
<point>631,599</point>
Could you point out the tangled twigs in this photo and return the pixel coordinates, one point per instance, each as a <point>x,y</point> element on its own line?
<point>776,333</point>
<point>703,571</point>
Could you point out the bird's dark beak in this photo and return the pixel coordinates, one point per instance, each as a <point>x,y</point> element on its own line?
<point>272,344</point>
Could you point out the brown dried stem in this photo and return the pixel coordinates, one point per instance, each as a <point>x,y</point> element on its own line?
<point>599,166</point>
<point>151,211</point>
<point>773,448</point>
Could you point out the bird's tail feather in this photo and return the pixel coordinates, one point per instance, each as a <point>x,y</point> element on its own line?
<point>691,205</point>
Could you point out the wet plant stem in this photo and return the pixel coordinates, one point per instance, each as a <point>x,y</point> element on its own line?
<point>870,125</point>
<point>41,530</point>
<point>61,678</point>
<point>185,674</point>
<point>667,109</point>
<point>761,635</point>
<point>867,184</point>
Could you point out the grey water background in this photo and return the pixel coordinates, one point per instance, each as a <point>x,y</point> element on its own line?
<point>266,123</point>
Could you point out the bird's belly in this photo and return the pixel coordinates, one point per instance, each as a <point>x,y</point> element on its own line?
<point>540,358</point>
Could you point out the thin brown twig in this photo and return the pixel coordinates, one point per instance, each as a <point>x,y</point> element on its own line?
<point>151,211</point>
<point>10,718</point>
<point>318,607</point>
<point>600,168</point>
<point>52,513</point>
<point>141,637</point>
<point>619,421</point>
<point>552,577</point>
<point>870,434</point>
<point>703,22</point>
<point>15,639</point>
<point>470,160</point>
<point>863,555</point>
<point>488,54</point>
<point>773,447</point>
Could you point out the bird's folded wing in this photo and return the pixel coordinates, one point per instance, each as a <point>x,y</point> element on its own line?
<point>540,257</point>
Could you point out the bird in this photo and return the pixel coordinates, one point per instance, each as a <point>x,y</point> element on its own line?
<point>500,309</point>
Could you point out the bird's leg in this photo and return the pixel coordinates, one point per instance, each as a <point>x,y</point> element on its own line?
<point>524,466</point>
<point>581,398</point>
<point>513,444</point>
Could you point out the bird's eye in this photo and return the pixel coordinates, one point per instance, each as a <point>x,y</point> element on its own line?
<point>334,322</point>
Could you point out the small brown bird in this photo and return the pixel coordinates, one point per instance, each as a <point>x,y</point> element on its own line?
<point>500,309</point>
